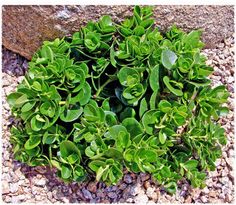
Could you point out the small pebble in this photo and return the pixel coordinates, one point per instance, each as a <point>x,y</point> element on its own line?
<point>130,200</point>
<point>204,199</point>
<point>92,187</point>
<point>5,187</point>
<point>152,194</point>
<point>127,179</point>
<point>141,199</point>
<point>188,199</point>
<point>112,195</point>
<point>14,188</point>
<point>87,194</point>
<point>40,182</point>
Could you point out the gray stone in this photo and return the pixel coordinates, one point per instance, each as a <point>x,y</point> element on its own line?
<point>206,190</point>
<point>18,173</point>
<point>152,194</point>
<point>212,194</point>
<point>40,182</point>
<point>150,191</point>
<point>19,198</point>
<point>130,200</point>
<point>112,195</point>
<point>92,187</point>
<point>135,190</point>
<point>128,179</point>
<point>224,180</point>
<point>14,187</point>
<point>65,200</point>
<point>87,194</point>
<point>5,187</point>
<point>188,200</point>
<point>141,199</point>
<point>204,199</point>
<point>230,79</point>
<point>26,27</point>
<point>228,198</point>
<point>7,199</point>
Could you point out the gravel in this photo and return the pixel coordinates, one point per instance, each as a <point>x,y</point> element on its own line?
<point>13,64</point>
<point>21,183</point>
<point>128,179</point>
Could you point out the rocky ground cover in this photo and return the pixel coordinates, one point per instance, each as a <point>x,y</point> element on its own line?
<point>21,183</point>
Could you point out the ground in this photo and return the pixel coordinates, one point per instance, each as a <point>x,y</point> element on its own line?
<point>21,183</point>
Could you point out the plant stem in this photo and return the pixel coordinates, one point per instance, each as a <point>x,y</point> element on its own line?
<point>92,79</point>
<point>103,86</point>
<point>62,102</point>
<point>194,94</point>
<point>163,119</point>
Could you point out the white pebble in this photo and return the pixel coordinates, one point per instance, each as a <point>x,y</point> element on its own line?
<point>40,182</point>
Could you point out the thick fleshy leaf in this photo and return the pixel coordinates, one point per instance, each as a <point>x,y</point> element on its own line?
<point>92,41</point>
<point>143,107</point>
<point>128,76</point>
<point>17,99</point>
<point>47,108</point>
<point>129,155</point>
<point>191,164</point>
<point>79,173</point>
<point>111,118</point>
<point>28,106</point>
<point>106,105</point>
<point>175,91</point>
<point>92,113</point>
<point>132,126</point>
<point>127,113</point>
<point>133,93</point>
<point>49,138</point>
<point>47,53</point>
<point>154,79</point>
<point>67,148</point>
<point>37,86</point>
<point>192,40</point>
<point>113,153</point>
<point>94,165</point>
<point>148,155</point>
<point>102,173</point>
<point>37,123</point>
<point>153,100</point>
<point>83,96</point>
<point>148,121</point>
<point>65,171</point>
<point>162,137</point>
<point>32,142</point>
<point>71,114</point>
<point>114,130</point>
<point>168,58</point>
<point>164,106</point>
<point>112,56</point>
<point>171,187</point>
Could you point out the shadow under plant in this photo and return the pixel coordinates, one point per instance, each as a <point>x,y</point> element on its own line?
<point>21,183</point>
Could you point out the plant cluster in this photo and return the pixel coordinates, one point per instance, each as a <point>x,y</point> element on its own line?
<point>120,95</point>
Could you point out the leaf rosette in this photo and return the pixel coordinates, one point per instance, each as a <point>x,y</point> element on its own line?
<point>120,95</point>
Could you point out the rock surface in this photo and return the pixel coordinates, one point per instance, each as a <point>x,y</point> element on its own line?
<point>26,27</point>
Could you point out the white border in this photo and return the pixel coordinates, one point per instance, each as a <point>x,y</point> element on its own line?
<point>119,2</point>
<point>116,2</point>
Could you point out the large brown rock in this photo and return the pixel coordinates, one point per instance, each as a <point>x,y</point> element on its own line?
<point>26,27</point>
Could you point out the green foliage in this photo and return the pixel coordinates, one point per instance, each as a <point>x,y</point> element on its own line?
<point>117,95</point>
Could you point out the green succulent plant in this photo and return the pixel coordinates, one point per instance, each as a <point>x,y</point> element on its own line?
<point>120,95</point>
